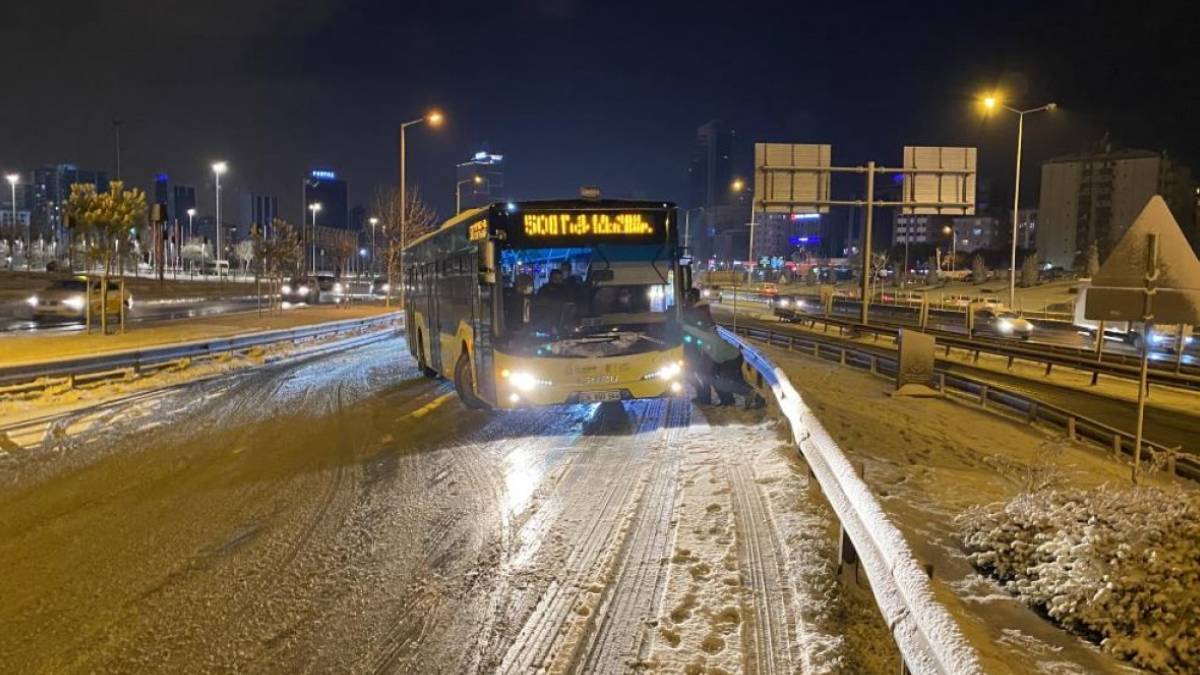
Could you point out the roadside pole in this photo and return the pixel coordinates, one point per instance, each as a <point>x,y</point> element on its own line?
<point>865,305</point>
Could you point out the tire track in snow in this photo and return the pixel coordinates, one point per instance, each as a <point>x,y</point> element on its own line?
<point>584,522</point>
<point>759,554</point>
<point>629,606</point>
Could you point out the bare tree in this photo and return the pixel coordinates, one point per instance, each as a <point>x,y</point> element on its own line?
<point>395,232</point>
<point>244,252</point>
<point>978,269</point>
<point>279,254</point>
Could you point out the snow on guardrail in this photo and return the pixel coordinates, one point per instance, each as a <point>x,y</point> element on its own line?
<point>929,639</point>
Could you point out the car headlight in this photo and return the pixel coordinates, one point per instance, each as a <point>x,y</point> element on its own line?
<point>337,288</point>
<point>129,301</point>
<point>784,302</point>
<point>303,290</point>
<point>1157,338</point>
<point>1005,326</point>
<point>387,288</point>
<point>74,302</point>
<point>705,293</point>
<point>287,288</point>
<point>1187,340</point>
<point>32,301</point>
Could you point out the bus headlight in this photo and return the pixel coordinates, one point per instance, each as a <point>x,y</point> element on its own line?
<point>303,290</point>
<point>667,372</point>
<point>286,289</point>
<point>32,301</point>
<point>523,380</point>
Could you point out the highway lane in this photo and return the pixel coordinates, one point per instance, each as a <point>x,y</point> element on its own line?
<point>15,315</point>
<point>1045,332</point>
<point>345,514</point>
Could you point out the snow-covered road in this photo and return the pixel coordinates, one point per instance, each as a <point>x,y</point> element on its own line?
<point>343,514</point>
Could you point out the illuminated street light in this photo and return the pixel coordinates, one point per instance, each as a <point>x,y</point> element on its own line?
<point>13,179</point>
<point>434,117</point>
<point>738,185</point>
<point>374,221</point>
<point>315,207</point>
<point>219,168</point>
<point>948,230</point>
<point>992,102</point>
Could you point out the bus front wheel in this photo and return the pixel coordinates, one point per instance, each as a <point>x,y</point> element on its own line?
<point>464,383</point>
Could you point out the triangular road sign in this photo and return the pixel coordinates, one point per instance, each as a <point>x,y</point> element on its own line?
<point>1118,290</point>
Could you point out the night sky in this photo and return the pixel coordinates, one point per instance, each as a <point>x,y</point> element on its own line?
<point>574,93</point>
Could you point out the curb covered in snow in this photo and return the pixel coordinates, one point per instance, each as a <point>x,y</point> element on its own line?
<point>929,639</point>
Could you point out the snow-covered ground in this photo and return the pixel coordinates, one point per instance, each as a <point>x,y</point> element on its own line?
<point>930,460</point>
<point>344,514</point>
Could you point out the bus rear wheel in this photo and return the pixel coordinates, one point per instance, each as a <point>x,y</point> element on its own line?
<point>464,383</point>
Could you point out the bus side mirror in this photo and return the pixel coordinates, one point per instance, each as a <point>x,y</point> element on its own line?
<point>487,256</point>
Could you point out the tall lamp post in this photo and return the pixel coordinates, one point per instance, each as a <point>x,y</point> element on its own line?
<point>991,103</point>
<point>13,179</point>
<point>949,230</point>
<point>477,179</point>
<point>315,207</point>
<point>374,221</point>
<point>218,168</point>
<point>435,119</point>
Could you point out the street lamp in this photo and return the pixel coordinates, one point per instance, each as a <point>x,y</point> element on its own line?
<point>477,179</point>
<point>737,186</point>
<point>13,178</point>
<point>990,103</point>
<point>191,214</point>
<point>374,221</point>
<point>315,207</point>
<point>218,168</point>
<point>434,118</point>
<point>949,230</point>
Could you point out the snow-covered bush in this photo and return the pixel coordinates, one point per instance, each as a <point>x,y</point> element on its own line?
<point>1120,565</point>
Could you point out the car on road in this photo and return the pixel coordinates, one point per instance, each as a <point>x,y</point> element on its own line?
<point>380,288</point>
<point>1003,323</point>
<point>712,293</point>
<point>312,289</point>
<point>788,307</point>
<point>67,298</point>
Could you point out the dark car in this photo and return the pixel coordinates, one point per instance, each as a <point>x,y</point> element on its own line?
<point>788,307</point>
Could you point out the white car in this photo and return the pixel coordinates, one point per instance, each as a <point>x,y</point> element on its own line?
<point>1007,323</point>
<point>67,299</point>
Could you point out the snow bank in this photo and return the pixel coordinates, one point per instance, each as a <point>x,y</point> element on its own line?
<point>928,637</point>
<point>1118,565</point>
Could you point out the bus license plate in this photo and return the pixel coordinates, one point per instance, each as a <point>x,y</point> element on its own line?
<point>600,396</point>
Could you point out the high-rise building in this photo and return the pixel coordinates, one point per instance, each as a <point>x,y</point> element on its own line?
<point>479,180</point>
<point>710,180</point>
<point>48,192</point>
<point>1094,196</point>
<point>255,209</point>
<point>162,190</point>
<point>323,187</point>
<point>183,197</point>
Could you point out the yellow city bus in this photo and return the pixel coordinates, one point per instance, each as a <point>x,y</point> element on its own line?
<point>546,302</point>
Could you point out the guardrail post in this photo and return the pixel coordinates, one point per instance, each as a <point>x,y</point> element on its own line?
<point>1048,367</point>
<point>1095,377</point>
<point>1071,428</point>
<point>1010,362</point>
<point>1116,445</point>
<point>1171,461</point>
<point>983,395</point>
<point>842,361</point>
<point>873,365</point>
<point>942,382</point>
<point>1032,415</point>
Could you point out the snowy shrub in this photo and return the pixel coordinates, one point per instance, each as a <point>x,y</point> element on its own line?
<point>1120,565</point>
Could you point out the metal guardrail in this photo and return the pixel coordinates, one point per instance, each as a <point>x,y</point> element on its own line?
<point>1075,425</point>
<point>1113,365</point>
<point>928,638</point>
<point>36,375</point>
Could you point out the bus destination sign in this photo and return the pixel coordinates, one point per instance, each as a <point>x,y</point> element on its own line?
<point>616,224</point>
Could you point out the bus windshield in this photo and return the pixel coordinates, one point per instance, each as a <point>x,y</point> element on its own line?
<point>601,300</point>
